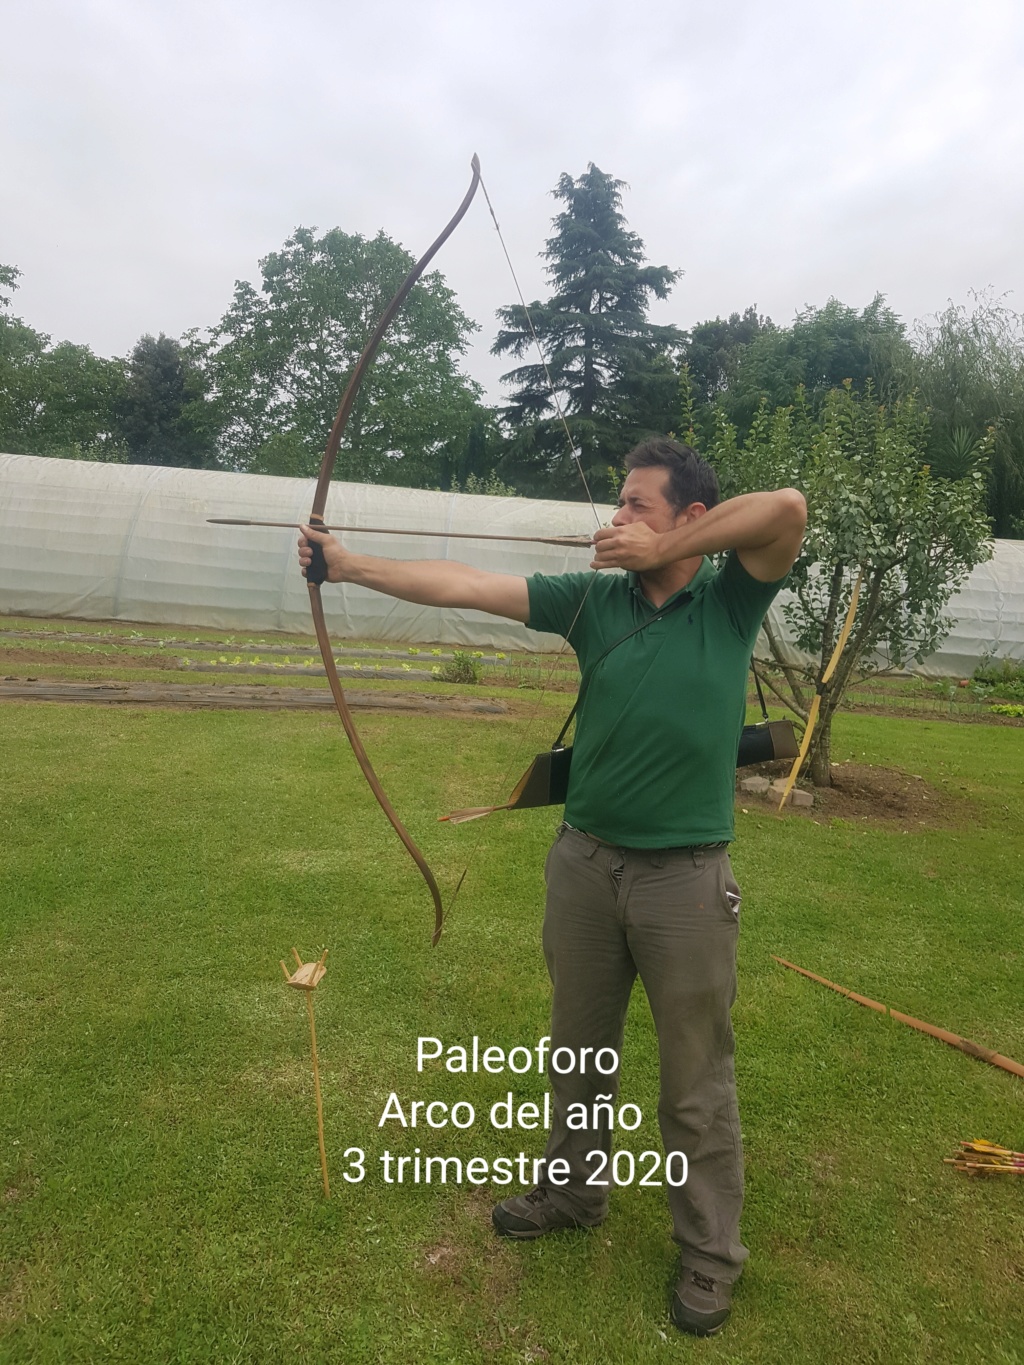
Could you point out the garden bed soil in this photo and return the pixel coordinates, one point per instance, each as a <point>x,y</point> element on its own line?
<point>962,716</point>
<point>863,792</point>
<point>190,696</point>
<point>100,660</point>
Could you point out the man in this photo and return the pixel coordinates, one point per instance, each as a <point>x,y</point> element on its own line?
<point>638,879</point>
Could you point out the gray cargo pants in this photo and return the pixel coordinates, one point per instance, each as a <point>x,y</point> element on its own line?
<point>671,916</point>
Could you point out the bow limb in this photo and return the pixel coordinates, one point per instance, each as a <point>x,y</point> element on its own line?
<point>370,349</point>
<point>317,570</point>
<point>320,625</point>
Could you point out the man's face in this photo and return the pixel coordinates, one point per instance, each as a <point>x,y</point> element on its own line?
<point>643,499</point>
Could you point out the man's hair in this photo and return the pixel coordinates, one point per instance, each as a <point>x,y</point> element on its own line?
<point>690,478</point>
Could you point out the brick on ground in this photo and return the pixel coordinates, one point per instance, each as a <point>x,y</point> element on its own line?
<point>757,785</point>
<point>798,797</point>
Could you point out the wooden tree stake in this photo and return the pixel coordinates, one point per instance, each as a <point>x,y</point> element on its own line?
<point>306,977</point>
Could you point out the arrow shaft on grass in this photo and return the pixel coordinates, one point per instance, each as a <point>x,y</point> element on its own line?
<point>983,1054</point>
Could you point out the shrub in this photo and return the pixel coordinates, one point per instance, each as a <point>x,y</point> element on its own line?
<point>462,668</point>
<point>1000,678</point>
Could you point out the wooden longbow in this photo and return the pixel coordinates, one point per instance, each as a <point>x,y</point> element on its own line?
<point>316,573</point>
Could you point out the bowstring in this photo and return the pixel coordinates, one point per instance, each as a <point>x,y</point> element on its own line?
<point>575,454</point>
<point>573,450</point>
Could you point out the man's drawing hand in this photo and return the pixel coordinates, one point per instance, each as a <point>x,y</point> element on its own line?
<point>634,546</point>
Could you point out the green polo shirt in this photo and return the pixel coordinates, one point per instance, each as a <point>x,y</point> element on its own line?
<point>654,755</point>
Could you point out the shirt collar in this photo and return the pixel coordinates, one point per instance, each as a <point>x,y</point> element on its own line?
<point>696,585</point>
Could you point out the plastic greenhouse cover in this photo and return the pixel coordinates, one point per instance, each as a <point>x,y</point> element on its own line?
<point>132,543</point>
<point>116,542</point>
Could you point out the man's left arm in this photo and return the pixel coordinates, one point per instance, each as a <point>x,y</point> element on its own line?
<point>765,529</point>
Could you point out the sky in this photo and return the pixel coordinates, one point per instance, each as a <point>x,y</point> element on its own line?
<point>151,151</point>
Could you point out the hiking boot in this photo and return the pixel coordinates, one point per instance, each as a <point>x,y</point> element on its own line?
<point>530,1215</point>
<point>700,1304</point>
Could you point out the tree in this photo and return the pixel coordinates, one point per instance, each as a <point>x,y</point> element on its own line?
<point>822,350</point>
<point>54,400</point>
<point>9,275</point>
<point>969,368</point>
<point>474,468</point>
<point>608,364</point>
<point>712,351</point>
<point>163,414</point>
<point>279,359</point>
<point>875,510</point>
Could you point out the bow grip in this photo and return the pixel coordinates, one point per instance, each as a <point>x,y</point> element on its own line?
<point>316,571</point>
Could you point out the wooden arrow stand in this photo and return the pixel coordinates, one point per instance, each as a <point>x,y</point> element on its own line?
<point>306,977</point>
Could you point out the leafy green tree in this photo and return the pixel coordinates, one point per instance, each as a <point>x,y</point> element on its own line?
<point>607,362</point>
<point>712,351</point>
<point>163,414</point>
<point>969,369</point>
<point>8,281</point>
<point>279,359</point>
<point>54,400</point>
<point>822,350</point>
<point>875,509</point>
<point>475,465</point>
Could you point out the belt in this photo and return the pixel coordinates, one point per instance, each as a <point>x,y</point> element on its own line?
<point>678,848</point>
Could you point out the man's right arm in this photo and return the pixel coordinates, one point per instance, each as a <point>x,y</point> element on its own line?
<point>432,582</point>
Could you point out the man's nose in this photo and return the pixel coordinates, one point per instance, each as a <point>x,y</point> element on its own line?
<point>621,517</point>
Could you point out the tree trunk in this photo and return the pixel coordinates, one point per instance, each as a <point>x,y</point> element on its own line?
<point>821,753</point>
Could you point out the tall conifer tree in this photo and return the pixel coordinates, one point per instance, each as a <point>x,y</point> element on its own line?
<point>608,363</point>
<point>164,415</point>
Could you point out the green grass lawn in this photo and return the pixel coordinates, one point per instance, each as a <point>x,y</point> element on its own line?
<point>159,1179</point>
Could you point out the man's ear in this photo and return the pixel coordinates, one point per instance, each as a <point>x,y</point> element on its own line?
<point>692,512</point>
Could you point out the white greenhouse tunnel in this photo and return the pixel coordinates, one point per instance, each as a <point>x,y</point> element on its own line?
<point>109,542</point>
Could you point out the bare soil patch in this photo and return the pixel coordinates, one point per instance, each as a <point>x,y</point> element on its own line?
<point>48,658</point>
<point>875,795</point>
<point>961,716</point>
<point>196,697</point>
